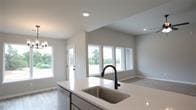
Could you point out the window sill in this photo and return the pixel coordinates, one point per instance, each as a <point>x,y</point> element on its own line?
<point>99,74</point>
<point>25,80</point>
<point>96,74</point>
<point>125,70</point>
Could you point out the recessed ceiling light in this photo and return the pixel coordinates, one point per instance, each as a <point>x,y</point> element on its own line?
<point>145,29</point>
<point>147,103</point>
<point>85,14</point>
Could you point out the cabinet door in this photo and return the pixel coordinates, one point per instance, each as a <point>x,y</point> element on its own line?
<point>63,99</point>
<point>82,104</point>
<point>73,107</point>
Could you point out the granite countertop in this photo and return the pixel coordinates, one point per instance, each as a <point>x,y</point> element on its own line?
<point>141,98</point>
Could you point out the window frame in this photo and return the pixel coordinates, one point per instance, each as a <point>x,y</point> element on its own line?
<point>30,64</point>
<point>52,63</point>
<point>126,68</point>
<point>113,56</point>
<point>101,64</point>
<point>123,54</point>
<point>100,59</point>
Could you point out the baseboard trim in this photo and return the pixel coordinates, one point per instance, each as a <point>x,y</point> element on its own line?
<point>27,93</point>
<point>130,77</point>
<point>167,80</point>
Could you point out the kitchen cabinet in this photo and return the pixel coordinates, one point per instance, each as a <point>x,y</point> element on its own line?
<point>63,99</point>
<point>73,107</point>
<point>83,104</point>
<point>70,101</point>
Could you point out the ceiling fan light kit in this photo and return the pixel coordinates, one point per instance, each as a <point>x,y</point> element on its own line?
<point>37,44</point>
<point>166,30</point>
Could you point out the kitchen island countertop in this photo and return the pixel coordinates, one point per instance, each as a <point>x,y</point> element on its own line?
<point>141,98</point>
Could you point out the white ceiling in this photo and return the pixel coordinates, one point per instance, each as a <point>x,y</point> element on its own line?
<point>179,10</point>
<point>63,18</point>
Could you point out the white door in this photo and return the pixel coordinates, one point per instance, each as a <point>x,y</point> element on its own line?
<point>71,63</point>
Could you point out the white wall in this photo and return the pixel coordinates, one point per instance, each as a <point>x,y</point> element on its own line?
<point>78,41</point>
<point>105,36</point>
<point>33,85</point>
<point>169,58</point>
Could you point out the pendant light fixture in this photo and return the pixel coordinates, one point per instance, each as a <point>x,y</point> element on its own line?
<point>37,44</point>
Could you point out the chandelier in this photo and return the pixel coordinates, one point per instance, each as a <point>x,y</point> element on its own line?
<point>37,44</point>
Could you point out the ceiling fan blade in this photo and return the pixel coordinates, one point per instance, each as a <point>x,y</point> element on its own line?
<point>173,28</point>
<point>186,23</point>
<point>158,31</point>
<point>155,28</point>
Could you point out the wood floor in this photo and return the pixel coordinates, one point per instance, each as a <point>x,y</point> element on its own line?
<point>163,85</point>
<point>42,101</point>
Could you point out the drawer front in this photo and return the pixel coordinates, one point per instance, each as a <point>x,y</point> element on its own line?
<point>63,99</point>
<point>73,107</point>
<point>82,104</point>
<point>67,93</point>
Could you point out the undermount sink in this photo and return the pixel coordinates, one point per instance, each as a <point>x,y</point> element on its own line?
<point>109,95</point>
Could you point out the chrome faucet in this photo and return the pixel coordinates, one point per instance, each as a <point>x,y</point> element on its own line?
<point>116,85</point>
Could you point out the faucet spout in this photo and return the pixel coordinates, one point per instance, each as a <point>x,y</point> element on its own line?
<point>116,84</point>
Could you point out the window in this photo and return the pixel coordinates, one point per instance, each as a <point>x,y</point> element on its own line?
<point>108,58</point>
<point>120,60</point>
<point>42,63</point>
<point>100,56</point>
<point>23,63</point>
<point>94,59</point>
<point>129,58</point>
<point>16,63</point>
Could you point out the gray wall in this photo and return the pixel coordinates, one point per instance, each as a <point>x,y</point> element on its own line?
<point>170,58</point>
<point>105,36</point>
<point>9,89</point>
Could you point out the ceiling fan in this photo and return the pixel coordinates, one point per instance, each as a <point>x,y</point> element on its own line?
<point>168,26</point>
